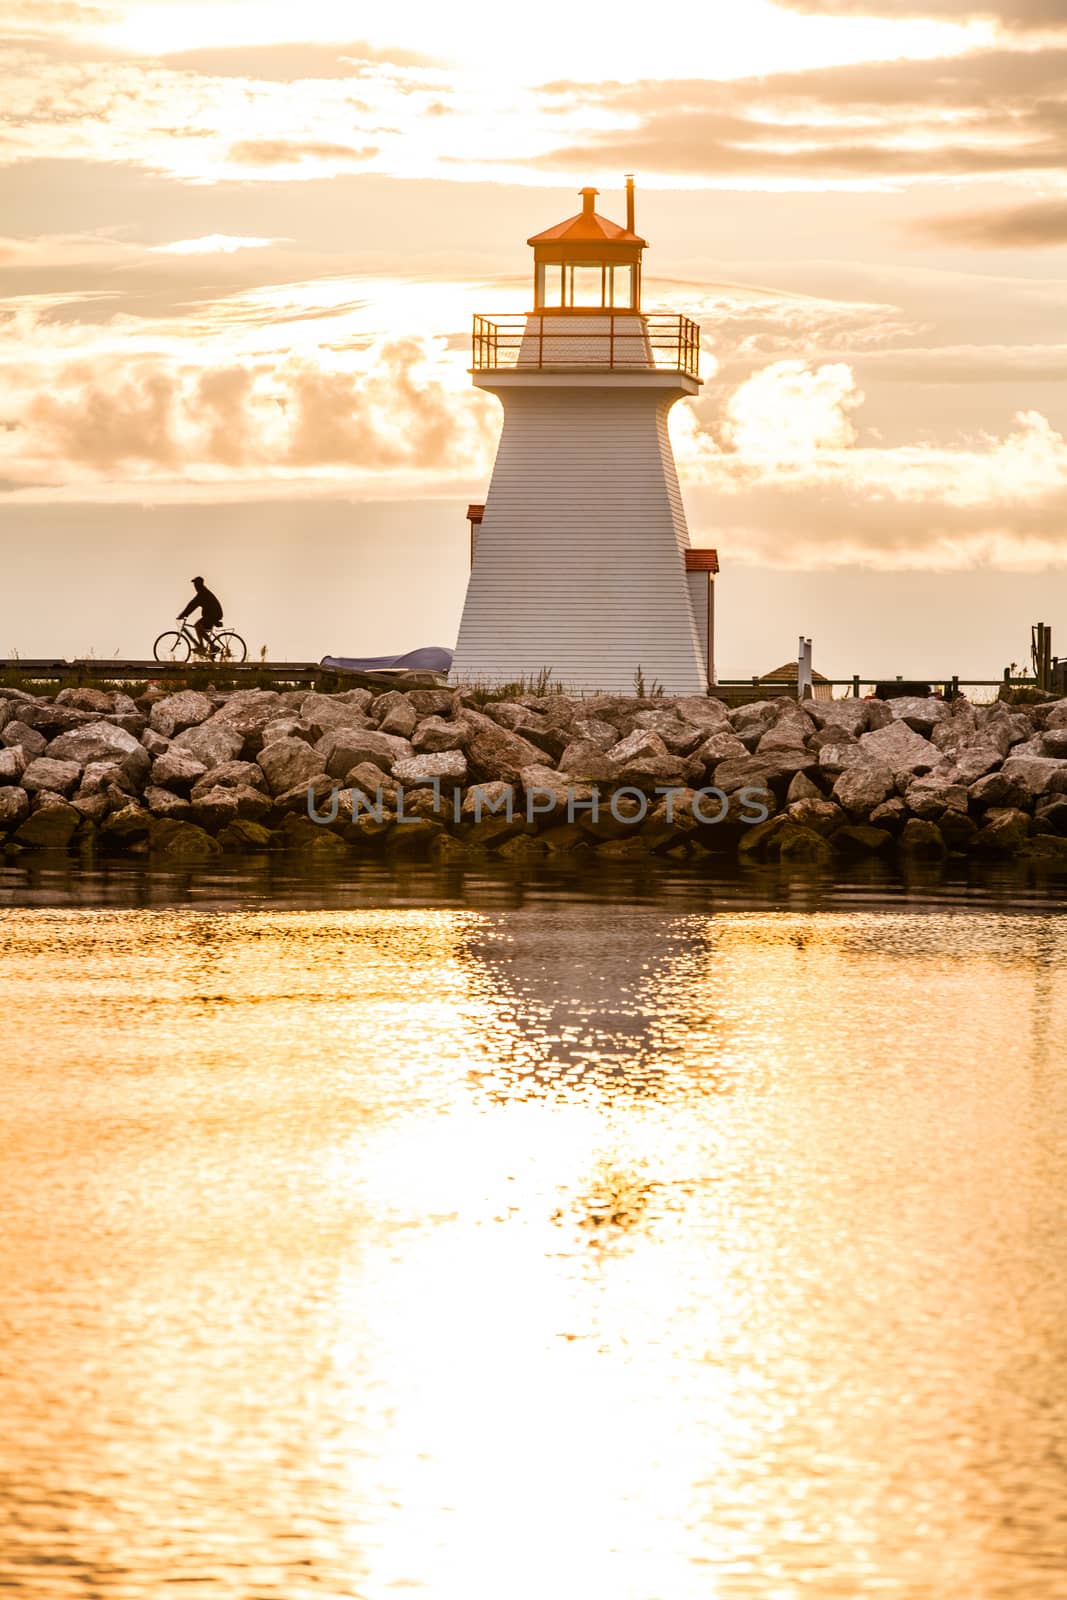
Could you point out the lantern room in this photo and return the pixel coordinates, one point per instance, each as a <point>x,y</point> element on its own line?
<point>588,263</point>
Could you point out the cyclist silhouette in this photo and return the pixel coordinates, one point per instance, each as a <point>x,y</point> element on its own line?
<point>210,612</point>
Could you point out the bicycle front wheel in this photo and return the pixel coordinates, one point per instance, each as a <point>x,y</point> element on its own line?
<point>231,647</point>
<point>171,646</point>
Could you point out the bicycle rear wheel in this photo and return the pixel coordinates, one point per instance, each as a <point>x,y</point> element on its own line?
<point>230,647</point>
<point>172,646</point>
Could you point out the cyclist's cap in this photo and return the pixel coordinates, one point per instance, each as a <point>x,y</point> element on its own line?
<point>198,580</point>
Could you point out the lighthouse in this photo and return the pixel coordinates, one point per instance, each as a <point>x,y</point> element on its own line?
<point>581,559</point>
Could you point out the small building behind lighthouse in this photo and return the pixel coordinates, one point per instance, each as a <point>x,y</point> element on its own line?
<point>581,557</point>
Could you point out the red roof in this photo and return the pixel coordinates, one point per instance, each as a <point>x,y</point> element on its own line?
<point>588,227</point>
<point>701,561</point>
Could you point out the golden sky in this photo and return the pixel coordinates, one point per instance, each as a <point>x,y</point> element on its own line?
<point>241,242</point>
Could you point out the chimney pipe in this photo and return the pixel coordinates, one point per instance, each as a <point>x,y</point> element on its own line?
<point>629,202</point>
<point>588,196</point>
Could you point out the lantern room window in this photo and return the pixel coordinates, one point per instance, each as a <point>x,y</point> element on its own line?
<point>593,285</point>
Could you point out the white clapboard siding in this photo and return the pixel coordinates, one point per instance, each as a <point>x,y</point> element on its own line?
<point>585,341</point>
<point>580,563</point>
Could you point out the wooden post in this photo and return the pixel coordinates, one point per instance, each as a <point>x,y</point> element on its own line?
<point>855,686</point>
<point>954,693</point>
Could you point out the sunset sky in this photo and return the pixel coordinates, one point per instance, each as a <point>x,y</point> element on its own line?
<point>241,242</point>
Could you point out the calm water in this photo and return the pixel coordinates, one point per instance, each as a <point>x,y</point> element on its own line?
<point>529,1243</point>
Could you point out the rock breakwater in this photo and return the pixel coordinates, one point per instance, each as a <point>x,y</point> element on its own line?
<point>442,773</point>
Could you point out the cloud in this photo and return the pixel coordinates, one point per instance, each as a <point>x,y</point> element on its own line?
<point>787,412</point>
<point>987,112</point>
<point>291,152</point>
<point>292,62</point>
<point>1018,14</point>
<point>212,244</point>
<point>1041,225</point>
<point>395,407</point>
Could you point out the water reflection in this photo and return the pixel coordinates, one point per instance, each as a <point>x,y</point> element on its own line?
<point>579,1248</point>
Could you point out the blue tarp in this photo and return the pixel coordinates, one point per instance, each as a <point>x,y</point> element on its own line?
<point>431,658</point>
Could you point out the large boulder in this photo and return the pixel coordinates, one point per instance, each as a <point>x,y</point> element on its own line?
<point>17,732</point>
<point>232,775</point>
<point>1039,775</point>
<point>289,762</point>
<point>723,745</point>
<point>60,777</point>
<point>820,816</point>
<point>101,701</point>
<point>14,806</point>
<point>1005,832</point>
<point>495,754</point>
<point>341,749</point>
<point>921,714</point>
<point>103,741</point>
<point>852,716</point>
<point>835,759</point>
<point>177,769</point>
<point>934,794</point>
<point>898,747</point>
<point>212,743</point>
<point>860,789</point>
<point>551,794</point>
<point>444,766</point>
<point>395,714</point>
<point>972,761</point>
<point>583,759</point>
<point>702,711</point>
<point>177,712</point>
<point>996,789</point>
<point>594,730</point>
<point>324,711</point>
<point>50,828</point>
<point>12,764</point>
<point>435,733</point>
<point>165,803</point>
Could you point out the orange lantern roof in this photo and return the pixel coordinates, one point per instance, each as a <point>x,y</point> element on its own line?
<point>588,227</point>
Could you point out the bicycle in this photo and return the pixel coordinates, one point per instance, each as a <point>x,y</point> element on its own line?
<point>178,644</point>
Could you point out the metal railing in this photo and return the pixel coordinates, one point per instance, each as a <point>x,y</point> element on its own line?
<point>630,341</point>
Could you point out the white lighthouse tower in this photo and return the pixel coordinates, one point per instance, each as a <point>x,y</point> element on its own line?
<point>581,561</point>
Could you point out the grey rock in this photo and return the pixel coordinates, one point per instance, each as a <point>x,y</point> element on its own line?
<point>289,762</point>
<point>322,712</point>
<point>446,766</point>
<point>212,743</point>
<point>102,741</point>
<point>59,777</point>
<point>704,712</point>
<point>341,749</point>
<point>494,753</point>
<point>852,716</point>
<point>933,795</point>
<point>14,806</point>
<point>395,714</point>
<point>187,709</point>
<point>821,816</point>
<point>232,775</point>
<point>1039,775</point>
<point>837,758</point>
<point>177,769</point>
<point>12,764</point>
<point>585,760</point>
<point>435,733</point>
<point>154,743</point>
<point>861,789</point>
<point>922,715</point>
<point>593,730</point>
<point>164,803</point>
<point>722,746</point>
<point>102,701</point>
<point>50,828</point>
<point>995,789</point>
<point>640,745</point>
<point>20,733</point>
<point>901,749</point>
